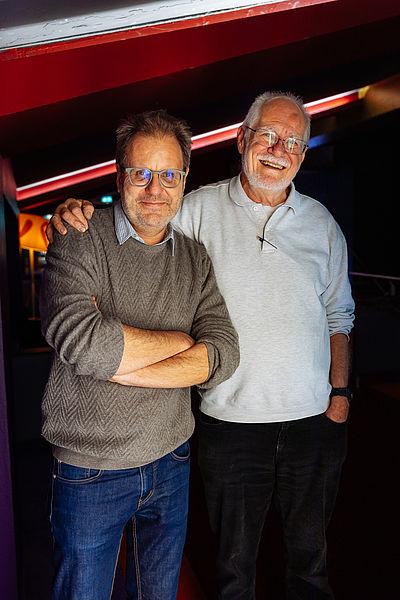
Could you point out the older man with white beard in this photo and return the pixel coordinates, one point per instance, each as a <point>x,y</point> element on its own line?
<point>277,428</point>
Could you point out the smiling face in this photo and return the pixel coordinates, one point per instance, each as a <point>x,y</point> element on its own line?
<point>150,209</point>
<point>269,170</point>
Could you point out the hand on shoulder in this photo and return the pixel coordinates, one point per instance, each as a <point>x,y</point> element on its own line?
<point>75,212</point>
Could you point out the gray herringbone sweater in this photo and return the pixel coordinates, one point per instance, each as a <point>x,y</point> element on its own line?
<point>91,421</point>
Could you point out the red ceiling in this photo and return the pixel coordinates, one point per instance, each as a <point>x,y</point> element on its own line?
<point>44,75</point>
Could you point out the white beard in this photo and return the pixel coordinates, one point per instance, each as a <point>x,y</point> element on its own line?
<point>257,181</point>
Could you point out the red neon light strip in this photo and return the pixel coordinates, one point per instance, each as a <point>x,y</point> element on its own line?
<point>314,108</point>
<point>198,141</point>
<point>215,137</point>
<point>62,181</point>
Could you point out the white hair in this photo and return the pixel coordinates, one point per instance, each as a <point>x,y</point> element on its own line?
<point>255,109</point>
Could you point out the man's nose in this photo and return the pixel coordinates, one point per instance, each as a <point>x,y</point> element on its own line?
<point>279,148</point>
<point>154,186</point>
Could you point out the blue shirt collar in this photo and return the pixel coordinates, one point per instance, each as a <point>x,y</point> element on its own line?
<point>125,230</point>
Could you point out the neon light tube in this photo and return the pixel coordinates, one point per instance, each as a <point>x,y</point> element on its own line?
<point>202,140</point>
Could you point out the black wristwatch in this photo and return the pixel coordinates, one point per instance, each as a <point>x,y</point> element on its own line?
<point>341,391</point>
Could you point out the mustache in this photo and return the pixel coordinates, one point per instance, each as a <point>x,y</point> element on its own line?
<point>281,162</point>
<point>154,198</point>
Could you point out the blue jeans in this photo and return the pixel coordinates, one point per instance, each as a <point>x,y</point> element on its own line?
<point>244,466</point>
<point>89,511</point>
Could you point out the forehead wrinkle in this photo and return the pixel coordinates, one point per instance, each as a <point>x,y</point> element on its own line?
<point>271,127</point>
<point>156,137</point>
<point>283,125</point>
<point>292,111</point>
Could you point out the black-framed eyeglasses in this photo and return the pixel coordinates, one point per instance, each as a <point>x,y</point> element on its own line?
<point>142,176</point>
<point>269,137</point>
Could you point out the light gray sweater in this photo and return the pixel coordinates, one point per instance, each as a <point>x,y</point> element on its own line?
<point>91,421</point>
<point>286,297</point>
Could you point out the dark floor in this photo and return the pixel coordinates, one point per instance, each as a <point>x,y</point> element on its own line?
<point>364,554</point>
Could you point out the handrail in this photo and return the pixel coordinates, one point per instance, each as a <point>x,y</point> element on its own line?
<point>374,276</point>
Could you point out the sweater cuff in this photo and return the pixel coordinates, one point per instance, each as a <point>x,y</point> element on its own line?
<point>104,357</point>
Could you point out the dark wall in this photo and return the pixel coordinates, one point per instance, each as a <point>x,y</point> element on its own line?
<point>7,541</point>
<point>373,152</point>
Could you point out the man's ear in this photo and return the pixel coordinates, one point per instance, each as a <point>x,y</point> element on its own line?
<point>240,139</point>
<point>303,156</point>
<point>185,178</point>
<point>120,176</point>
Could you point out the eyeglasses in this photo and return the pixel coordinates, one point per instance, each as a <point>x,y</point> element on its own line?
<point>269,138</point>
<point>141,177</point>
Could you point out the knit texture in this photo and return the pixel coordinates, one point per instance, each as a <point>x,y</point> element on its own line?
<point>97,423</point>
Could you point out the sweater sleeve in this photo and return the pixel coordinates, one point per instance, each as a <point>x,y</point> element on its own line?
<point>337,296</point>
<point>212,325</point>
<point>71,323</point>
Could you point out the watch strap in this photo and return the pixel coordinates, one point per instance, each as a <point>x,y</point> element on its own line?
<point>341,391</point>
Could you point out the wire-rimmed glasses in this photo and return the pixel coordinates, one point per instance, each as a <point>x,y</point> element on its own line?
<point>269,138</point>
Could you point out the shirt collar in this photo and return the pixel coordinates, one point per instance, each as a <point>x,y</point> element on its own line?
<point>239,196</point>
<point>125,230</point>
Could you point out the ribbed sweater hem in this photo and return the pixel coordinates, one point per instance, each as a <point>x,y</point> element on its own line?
<point>78,459</point>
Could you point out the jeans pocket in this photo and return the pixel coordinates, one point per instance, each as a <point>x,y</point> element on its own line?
<point>182,453</point>
<point>75,475</point>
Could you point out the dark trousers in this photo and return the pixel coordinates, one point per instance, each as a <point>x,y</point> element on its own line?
<point>243,465</point>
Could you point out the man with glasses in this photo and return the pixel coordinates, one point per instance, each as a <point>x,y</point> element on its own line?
<point>276,431</point>
<point>135,317</point>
